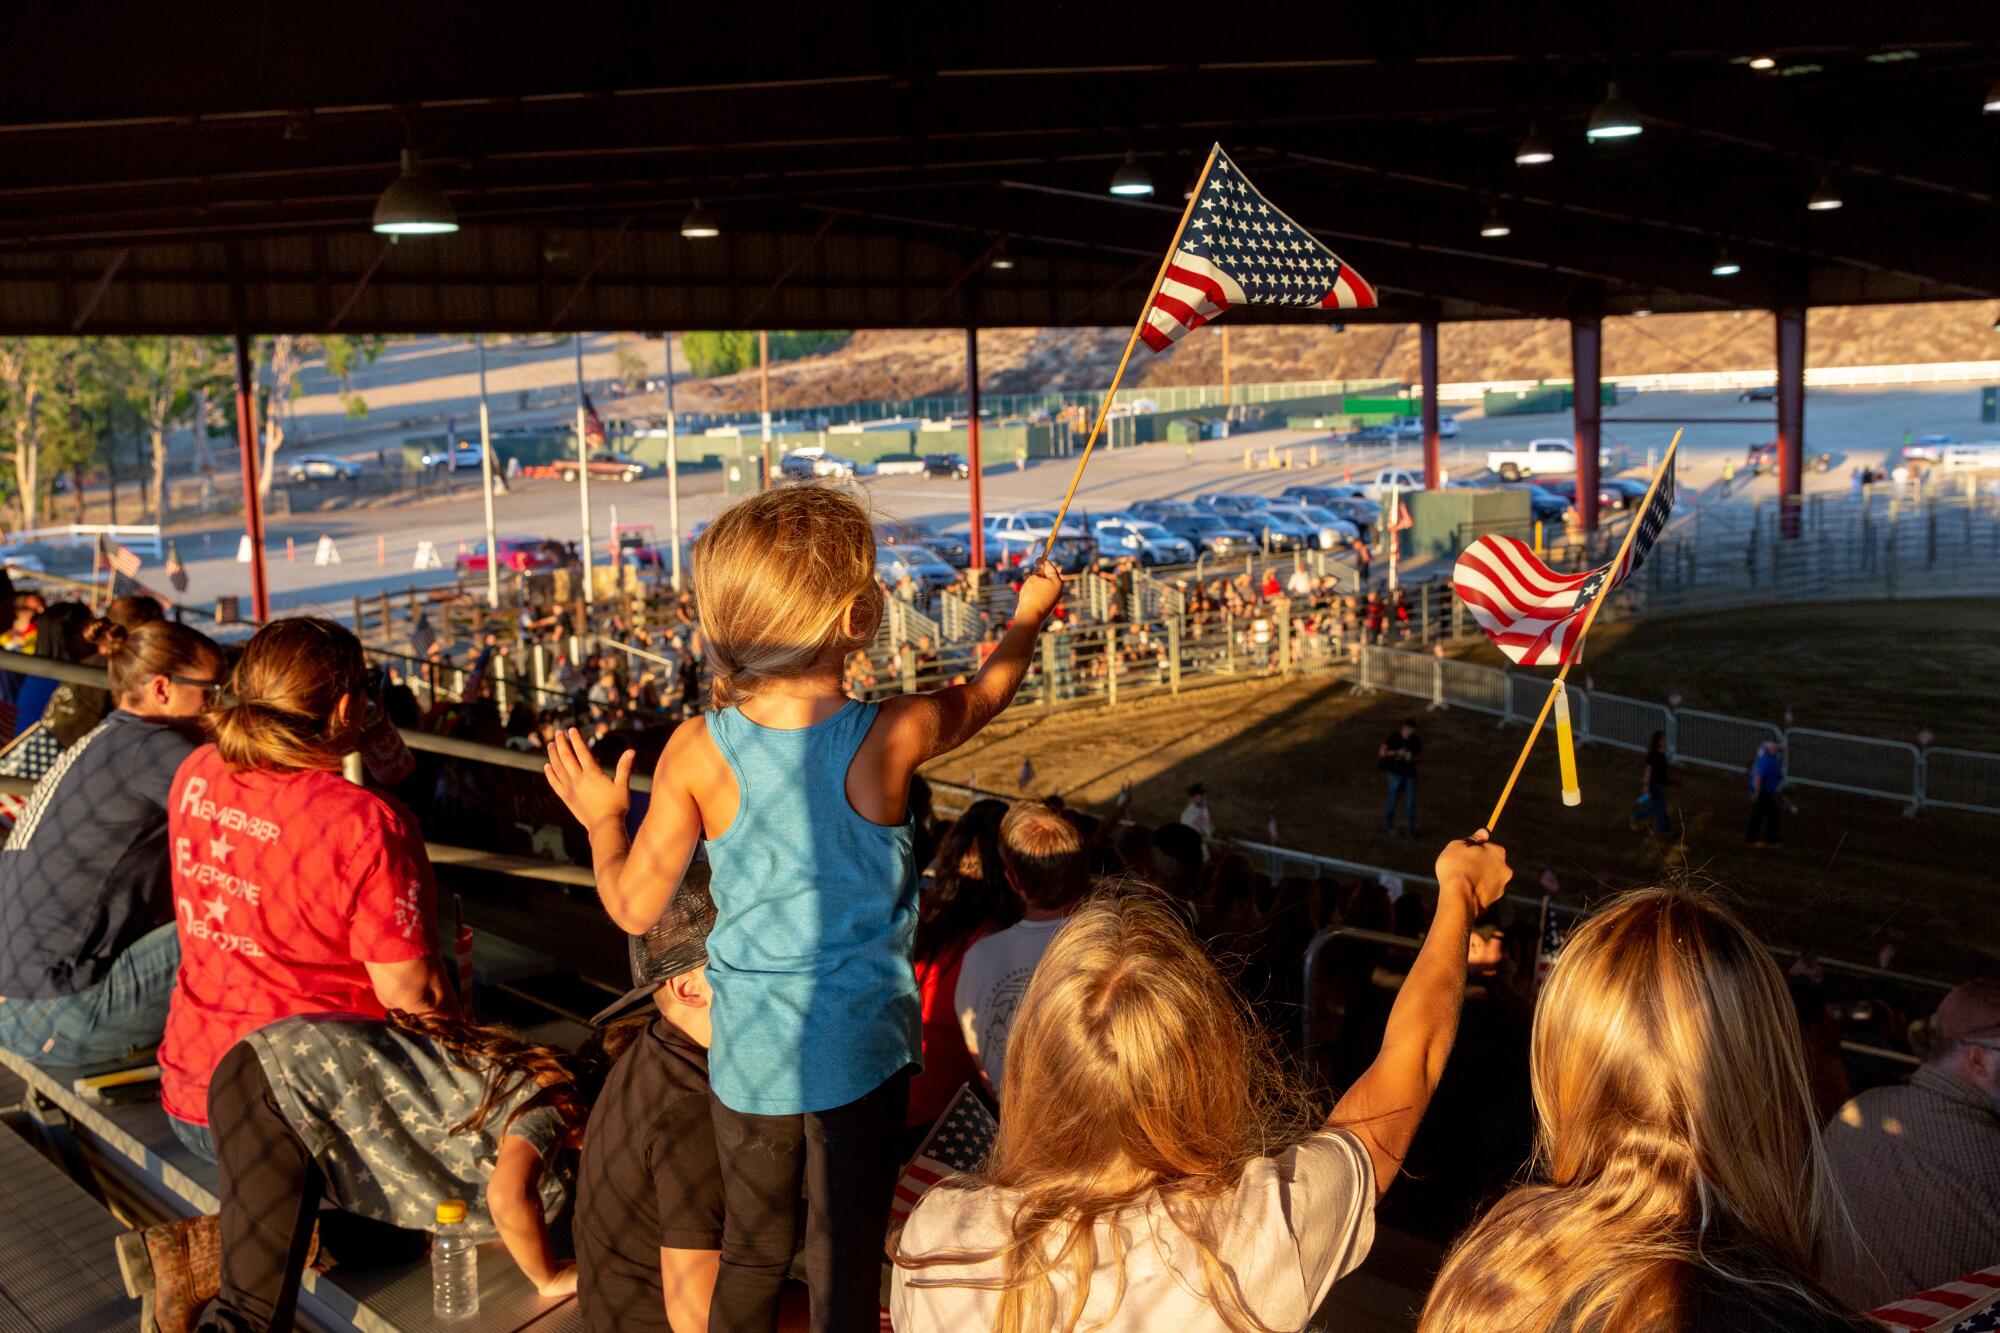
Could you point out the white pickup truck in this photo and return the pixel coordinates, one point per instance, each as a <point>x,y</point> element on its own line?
<point>1542,458</point>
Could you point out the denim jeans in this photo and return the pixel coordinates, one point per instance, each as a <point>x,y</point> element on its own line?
<point>197,1139</point>
<point>105,1025</point>
<point>1402,787</point>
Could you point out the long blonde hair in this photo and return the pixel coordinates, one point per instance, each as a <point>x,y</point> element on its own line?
<point>773,578</point>
<point>1133,1070</point>
<point>1677,1158</point>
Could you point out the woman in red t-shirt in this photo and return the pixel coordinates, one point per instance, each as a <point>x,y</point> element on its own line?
<point>295,891</point>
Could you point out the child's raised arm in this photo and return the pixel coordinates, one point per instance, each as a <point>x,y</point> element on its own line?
<point>928,725</point>
<point>635,876</point>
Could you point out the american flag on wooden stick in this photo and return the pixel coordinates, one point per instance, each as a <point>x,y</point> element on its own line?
<point>1237,249</point>
<point>176,571</point>
<point>961,1141</point>
<point>119,557</point>
<point>1533,614</point>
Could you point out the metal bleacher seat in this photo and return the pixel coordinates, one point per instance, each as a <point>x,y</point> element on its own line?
<point>44,1213</point>
<point>57,1270</point>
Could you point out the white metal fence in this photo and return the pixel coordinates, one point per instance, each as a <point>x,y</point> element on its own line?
<point>1865,765</point>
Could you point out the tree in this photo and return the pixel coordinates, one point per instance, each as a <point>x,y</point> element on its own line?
<point>167,381</point>
<point>29,370</point>
<point>725,351</point>
<point>629,367</point>
<point>286,356</point>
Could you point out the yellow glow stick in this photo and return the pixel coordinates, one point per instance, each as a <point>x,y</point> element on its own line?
<point>1566,748</point>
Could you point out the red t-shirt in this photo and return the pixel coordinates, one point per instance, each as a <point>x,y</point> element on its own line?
<point>284,885</point>
<point>946,1061</point>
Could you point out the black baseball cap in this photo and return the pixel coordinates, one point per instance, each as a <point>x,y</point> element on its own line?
<point>676,943</point>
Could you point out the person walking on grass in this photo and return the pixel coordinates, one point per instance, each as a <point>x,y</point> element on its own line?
<point>1398,758</point>
<point>1767,781</point>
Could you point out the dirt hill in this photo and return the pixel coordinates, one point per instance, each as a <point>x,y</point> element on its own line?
<point>897,364</point>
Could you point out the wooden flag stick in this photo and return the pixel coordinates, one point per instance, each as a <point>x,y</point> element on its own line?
<point>1589,616</point>
<point>1145,308</point>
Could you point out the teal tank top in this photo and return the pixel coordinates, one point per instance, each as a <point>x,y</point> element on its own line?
<point>816,915</point>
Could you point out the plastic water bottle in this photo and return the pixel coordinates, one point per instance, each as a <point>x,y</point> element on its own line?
<point>454,1264</point>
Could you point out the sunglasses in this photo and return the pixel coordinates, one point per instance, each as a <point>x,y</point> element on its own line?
<point>209,688</point>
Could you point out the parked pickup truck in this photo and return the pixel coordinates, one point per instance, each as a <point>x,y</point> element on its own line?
<point>604,466</point>
<point>1541,458</point>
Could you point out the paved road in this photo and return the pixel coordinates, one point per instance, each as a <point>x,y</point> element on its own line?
<point>1857,426</point>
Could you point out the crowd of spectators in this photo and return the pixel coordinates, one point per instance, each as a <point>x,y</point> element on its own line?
<point>1144,1008</point>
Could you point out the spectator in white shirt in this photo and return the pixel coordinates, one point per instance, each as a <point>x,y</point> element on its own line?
<point>1149,1173</point>
<point>1195,813</point>
<point>1042,855</point>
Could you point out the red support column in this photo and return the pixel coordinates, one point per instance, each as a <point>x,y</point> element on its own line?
<point>246,438</point>
<point>1791,321</point>
<point>1427,371</point>
<point>1586,354</point>
<point>977,545</point>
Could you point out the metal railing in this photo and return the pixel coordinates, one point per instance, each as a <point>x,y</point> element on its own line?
<point>1836,761</point>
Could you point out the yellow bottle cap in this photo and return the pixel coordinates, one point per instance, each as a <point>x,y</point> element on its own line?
<point>451,1211</point>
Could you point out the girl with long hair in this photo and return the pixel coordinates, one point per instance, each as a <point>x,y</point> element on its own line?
<point>296,891</point>
<point>1678,1178</point>
<point>384,1119</point>
<point>1153,1169</point>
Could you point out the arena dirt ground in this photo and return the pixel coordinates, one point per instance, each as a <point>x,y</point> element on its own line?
<point>1854,873</point>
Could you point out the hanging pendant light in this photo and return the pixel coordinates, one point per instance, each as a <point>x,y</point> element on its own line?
<point>1533,150</point>
<point>413,205</point>
<point>1614,118</point>
<point>700,224</point>
<point>1131,180</point>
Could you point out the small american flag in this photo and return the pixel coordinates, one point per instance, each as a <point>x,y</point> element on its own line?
<point>176,571</point>
<point>125,560</point>
<point>1238,250</point>
<point>1969,1305</point>
<point>422,636</point>
<point>1533,614</point>
<point>960,1142</point>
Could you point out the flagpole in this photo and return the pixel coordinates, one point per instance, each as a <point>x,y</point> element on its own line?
<point>1145,308</point>
<point>1589,617</point>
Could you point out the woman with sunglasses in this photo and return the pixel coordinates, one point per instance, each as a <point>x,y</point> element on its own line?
<point>87,945</point>
<point>295,891</point>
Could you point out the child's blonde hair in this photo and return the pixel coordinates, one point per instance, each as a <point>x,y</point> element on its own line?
<point>1134,1072</point>
<point>774,577</point>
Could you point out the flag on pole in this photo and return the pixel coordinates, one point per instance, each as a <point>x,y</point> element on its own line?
<point>593,425</point>
<point>1530,612</point>
<point>125,560</point>
<point>1239,250</point>
<point>176,571</point>
<point>422,636</point>
<point>961,1141</point>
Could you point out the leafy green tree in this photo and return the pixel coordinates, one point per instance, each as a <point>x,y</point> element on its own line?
<point>725,351</point>
<point>168,380</point>
<point>30,372</point>
<point>284,356</point>
<point>629,367</point>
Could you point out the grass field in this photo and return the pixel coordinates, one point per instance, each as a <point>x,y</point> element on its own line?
<point>1887,669</point>
<point>1854,873</point>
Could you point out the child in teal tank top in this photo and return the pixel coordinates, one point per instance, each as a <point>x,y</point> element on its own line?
<point>800,794</point>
